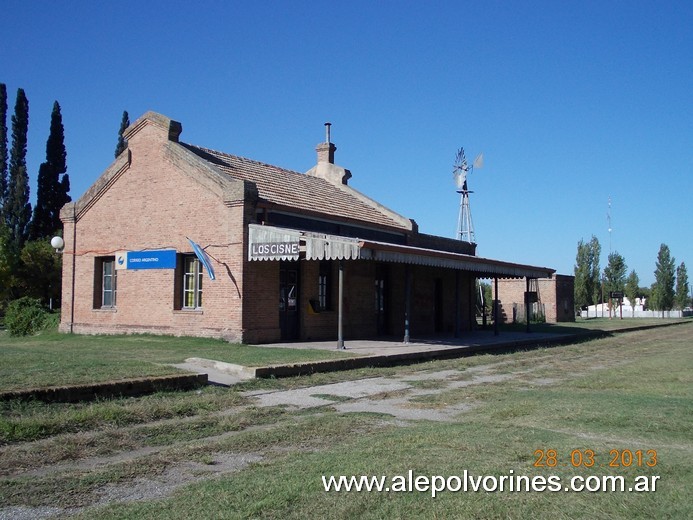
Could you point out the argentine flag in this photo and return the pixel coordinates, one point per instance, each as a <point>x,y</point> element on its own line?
<point>204,258</point>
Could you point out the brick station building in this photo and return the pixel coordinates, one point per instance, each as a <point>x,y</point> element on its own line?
<point>295,256</point>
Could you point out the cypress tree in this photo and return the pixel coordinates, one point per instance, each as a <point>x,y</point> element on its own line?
<point>3,149</point>
<point>45,191</point>
<point>122,143</point>
<point>17,206</point>
<point>665,276</point>
<point>681,298</point>
<point>587,273</point>
<point>51,194</point>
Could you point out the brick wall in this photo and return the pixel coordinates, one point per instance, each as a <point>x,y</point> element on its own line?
<point>151,202</point>
<point>555,293</point>
<point>261,319</point>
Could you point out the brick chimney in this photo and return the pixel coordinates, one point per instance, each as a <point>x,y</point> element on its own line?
<point>326,168</point>
<point>326,150</point>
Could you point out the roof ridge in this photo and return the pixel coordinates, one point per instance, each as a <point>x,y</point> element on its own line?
<point>377,206</point>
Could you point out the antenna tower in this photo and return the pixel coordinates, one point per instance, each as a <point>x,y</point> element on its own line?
<point>608,219</point>
<point>460,171</point>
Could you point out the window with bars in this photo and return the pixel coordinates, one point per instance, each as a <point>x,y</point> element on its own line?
<point>324,286</point>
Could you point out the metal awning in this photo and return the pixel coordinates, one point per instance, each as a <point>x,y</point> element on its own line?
<point>272,243</point>
<point>331,247</point>
<point>480,267</point>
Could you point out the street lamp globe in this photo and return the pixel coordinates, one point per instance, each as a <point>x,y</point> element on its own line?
<point>58,244</point>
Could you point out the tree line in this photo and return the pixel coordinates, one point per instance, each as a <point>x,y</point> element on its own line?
<point>28,264</point>
<point>593,286</point>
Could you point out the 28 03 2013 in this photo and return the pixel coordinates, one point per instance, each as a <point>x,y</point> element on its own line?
<point>587,458</point>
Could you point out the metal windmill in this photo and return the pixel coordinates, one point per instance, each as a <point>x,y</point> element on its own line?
<point>461,169</point>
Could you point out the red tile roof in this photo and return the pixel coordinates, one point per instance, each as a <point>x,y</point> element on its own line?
<point>290,189</point>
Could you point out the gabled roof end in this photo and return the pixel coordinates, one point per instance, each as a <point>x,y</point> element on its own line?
<point>172,128</point>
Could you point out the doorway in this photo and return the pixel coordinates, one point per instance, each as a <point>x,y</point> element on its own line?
<point>438,306</point>
<point>381,303</point>
<point>288,300</point>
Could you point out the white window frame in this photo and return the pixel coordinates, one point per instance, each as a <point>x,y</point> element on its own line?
<point>192,283</point>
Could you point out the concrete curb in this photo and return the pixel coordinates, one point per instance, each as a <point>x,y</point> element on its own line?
<point>407,358</point>
<point>125,388</point>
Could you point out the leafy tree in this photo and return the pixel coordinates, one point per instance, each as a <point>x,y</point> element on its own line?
<point>17,208</point>
<point>663,288</point>
<point>681,298</point>
<point>122,143</point>
<point>52,192</point>
<point>41,272</point>
<point>631,289</point>
<point>3,149</point>
<point>587,273</point>
<point>615,273</point>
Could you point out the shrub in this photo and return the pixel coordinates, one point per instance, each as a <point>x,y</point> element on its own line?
<point>25,316</point>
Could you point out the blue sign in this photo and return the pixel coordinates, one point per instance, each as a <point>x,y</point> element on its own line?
<point>157,259</point>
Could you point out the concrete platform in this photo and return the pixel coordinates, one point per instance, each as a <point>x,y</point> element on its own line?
<point>381,352</point>
<point>442,344</point>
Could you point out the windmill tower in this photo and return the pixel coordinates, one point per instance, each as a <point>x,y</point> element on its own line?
<point>465,226</point>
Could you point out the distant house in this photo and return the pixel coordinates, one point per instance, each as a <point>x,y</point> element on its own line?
<point>626,310</point>
<point>295,255</point>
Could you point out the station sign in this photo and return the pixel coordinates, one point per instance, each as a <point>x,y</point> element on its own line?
<point>153,259</point>
<point>272,243</point>
<point>274,250</point>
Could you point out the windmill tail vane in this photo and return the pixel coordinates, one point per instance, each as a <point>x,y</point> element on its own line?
<point>479,161</point>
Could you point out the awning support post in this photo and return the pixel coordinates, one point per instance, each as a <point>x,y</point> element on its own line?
<point>340,311</point>
<point>458,310</point>
<point>527,313</point>
<point>407,302</point>
<point>495,307</point>
<point>471,296</point>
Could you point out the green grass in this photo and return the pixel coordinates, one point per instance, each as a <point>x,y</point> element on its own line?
<point>52,359</point>
<point>596,324</point>
<point>639,396</point>
<point>22,421</point>
<point>628,391</point>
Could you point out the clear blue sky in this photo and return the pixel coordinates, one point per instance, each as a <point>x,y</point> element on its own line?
<point>570,102</point>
